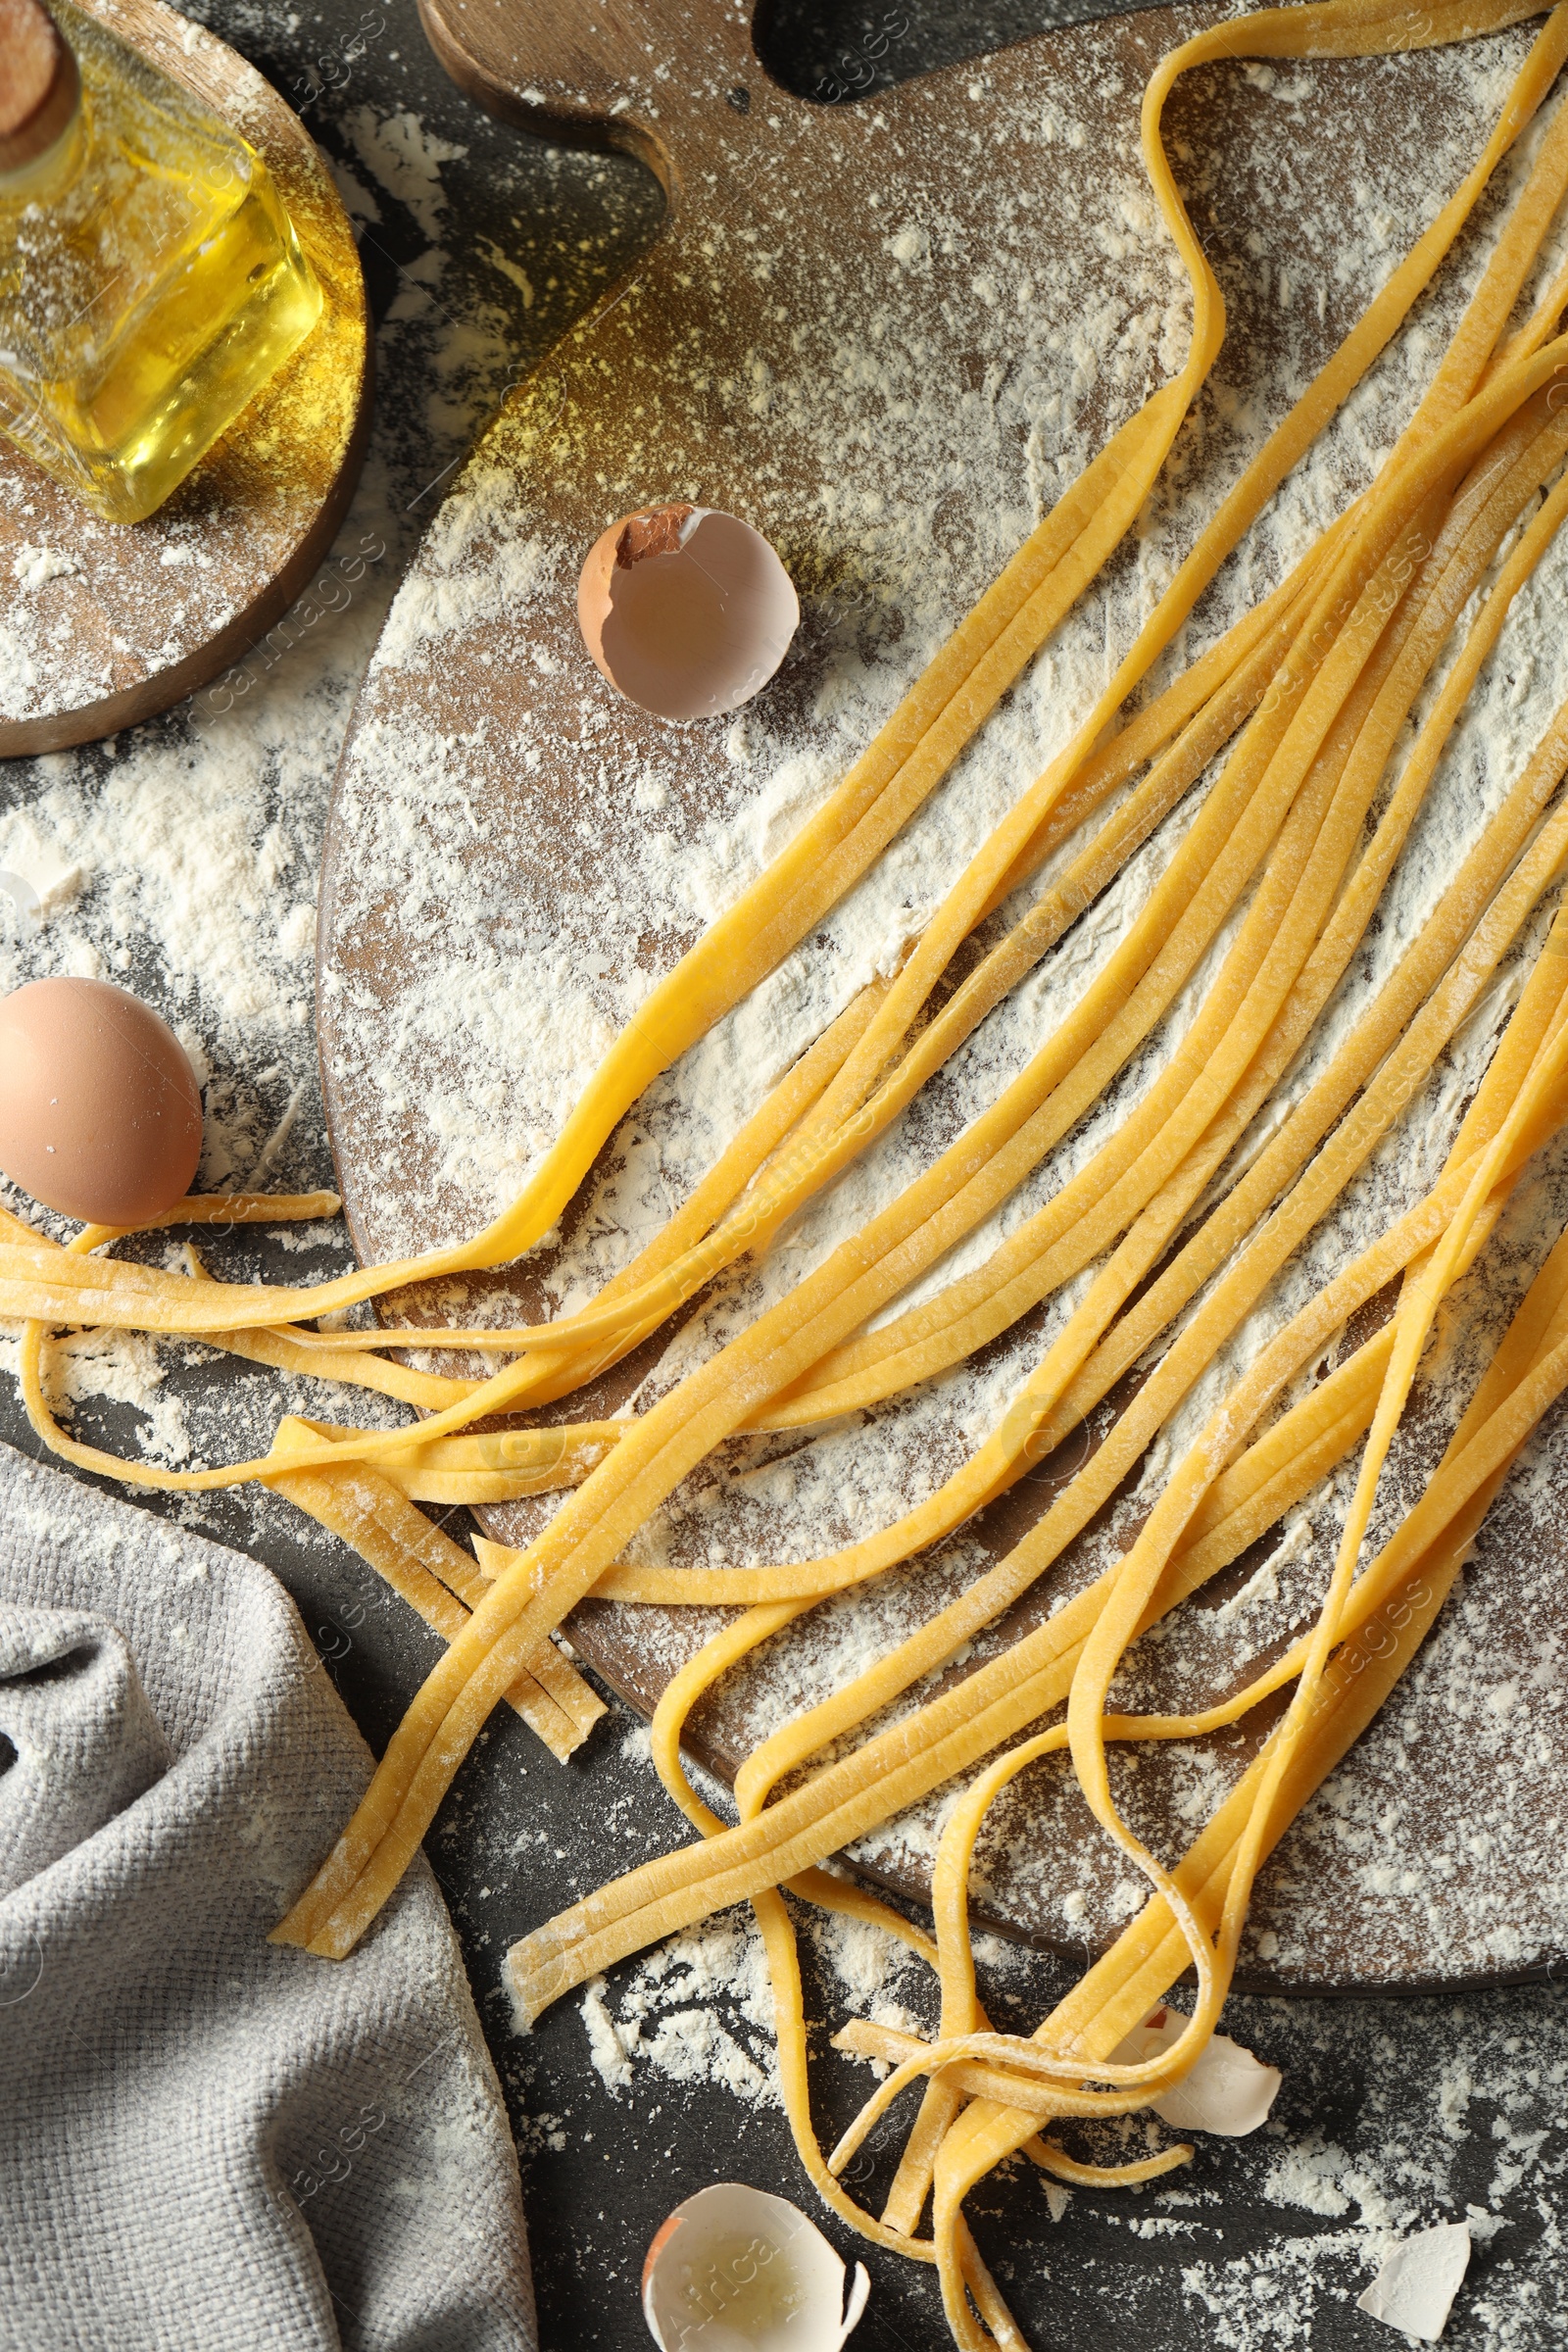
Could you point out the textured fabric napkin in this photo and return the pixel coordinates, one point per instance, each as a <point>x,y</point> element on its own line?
<point>207,2139</point>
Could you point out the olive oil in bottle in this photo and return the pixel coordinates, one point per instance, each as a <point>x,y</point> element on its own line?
<point>150,280</point>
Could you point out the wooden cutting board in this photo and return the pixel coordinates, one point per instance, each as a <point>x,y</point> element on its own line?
<point>871,329</point>
<point>104,624</point>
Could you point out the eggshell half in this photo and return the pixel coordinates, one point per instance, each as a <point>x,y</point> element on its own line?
<point>687,611</point>
<point>736,2270</point>
<point>100,1113</point>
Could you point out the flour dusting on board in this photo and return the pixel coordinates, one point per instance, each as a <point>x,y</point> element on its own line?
<point>545,871</point>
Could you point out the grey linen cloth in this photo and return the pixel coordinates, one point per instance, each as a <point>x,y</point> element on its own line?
<point>207,2139</point>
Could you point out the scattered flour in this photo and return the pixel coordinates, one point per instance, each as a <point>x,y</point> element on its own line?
<point>698,2009</point>
<point>182,857</point>
<point>33,566</point>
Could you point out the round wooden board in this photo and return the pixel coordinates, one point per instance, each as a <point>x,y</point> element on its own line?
<point>102,625</point>
<point>485,867</point>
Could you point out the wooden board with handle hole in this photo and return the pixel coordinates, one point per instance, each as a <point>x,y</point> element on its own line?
<point>899,322</point>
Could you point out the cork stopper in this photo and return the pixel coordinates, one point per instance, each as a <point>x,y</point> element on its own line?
<point>39,85</point>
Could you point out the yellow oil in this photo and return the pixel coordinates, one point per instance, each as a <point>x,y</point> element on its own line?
<point>150,284</point>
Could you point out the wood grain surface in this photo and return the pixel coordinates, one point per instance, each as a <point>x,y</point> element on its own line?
<point>724,371</point>
<point>122,621</point>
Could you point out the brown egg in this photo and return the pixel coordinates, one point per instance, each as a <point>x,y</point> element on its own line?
<point>100,1113</point>
<point>687,611</point>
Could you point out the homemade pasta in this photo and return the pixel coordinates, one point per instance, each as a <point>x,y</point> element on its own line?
<point>1308,741</point>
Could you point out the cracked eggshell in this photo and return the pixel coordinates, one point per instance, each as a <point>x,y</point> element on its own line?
<point>100,1113</point>
<point>1228,2091</point>
<point>1415,2288</point>
<point>735,2269</point>
<point>687,611</point>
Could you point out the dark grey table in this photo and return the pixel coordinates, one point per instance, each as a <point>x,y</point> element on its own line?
<point>479,245</point>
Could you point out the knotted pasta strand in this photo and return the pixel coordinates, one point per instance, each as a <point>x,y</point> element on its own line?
<point>1417,1571</point>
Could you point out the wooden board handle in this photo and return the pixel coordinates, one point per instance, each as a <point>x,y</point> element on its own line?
<point>638,74</point>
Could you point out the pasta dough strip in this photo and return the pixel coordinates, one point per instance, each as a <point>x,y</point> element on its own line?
<point>833,1386</point>
<point>420,1564</point>
<point>508,1607</point>
<point>1145,1960</point>
<point>1283,449</point>
<point>438,1578</point>
<point>1538,1344</point>
<point>963,1724</point>
<point>778,1937</point>
<point>991,1594</point>
<point>1034,1424</point>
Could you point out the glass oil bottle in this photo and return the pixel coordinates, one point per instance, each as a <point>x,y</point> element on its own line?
<point>150,279</point>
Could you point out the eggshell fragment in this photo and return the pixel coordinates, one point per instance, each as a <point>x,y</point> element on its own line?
<point>1228,2091</point>
<point>735,2269</point>
<point>100,1113</point>
<point>1416,2285</point>
<point>25,902</point>
<point>687,611</point>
